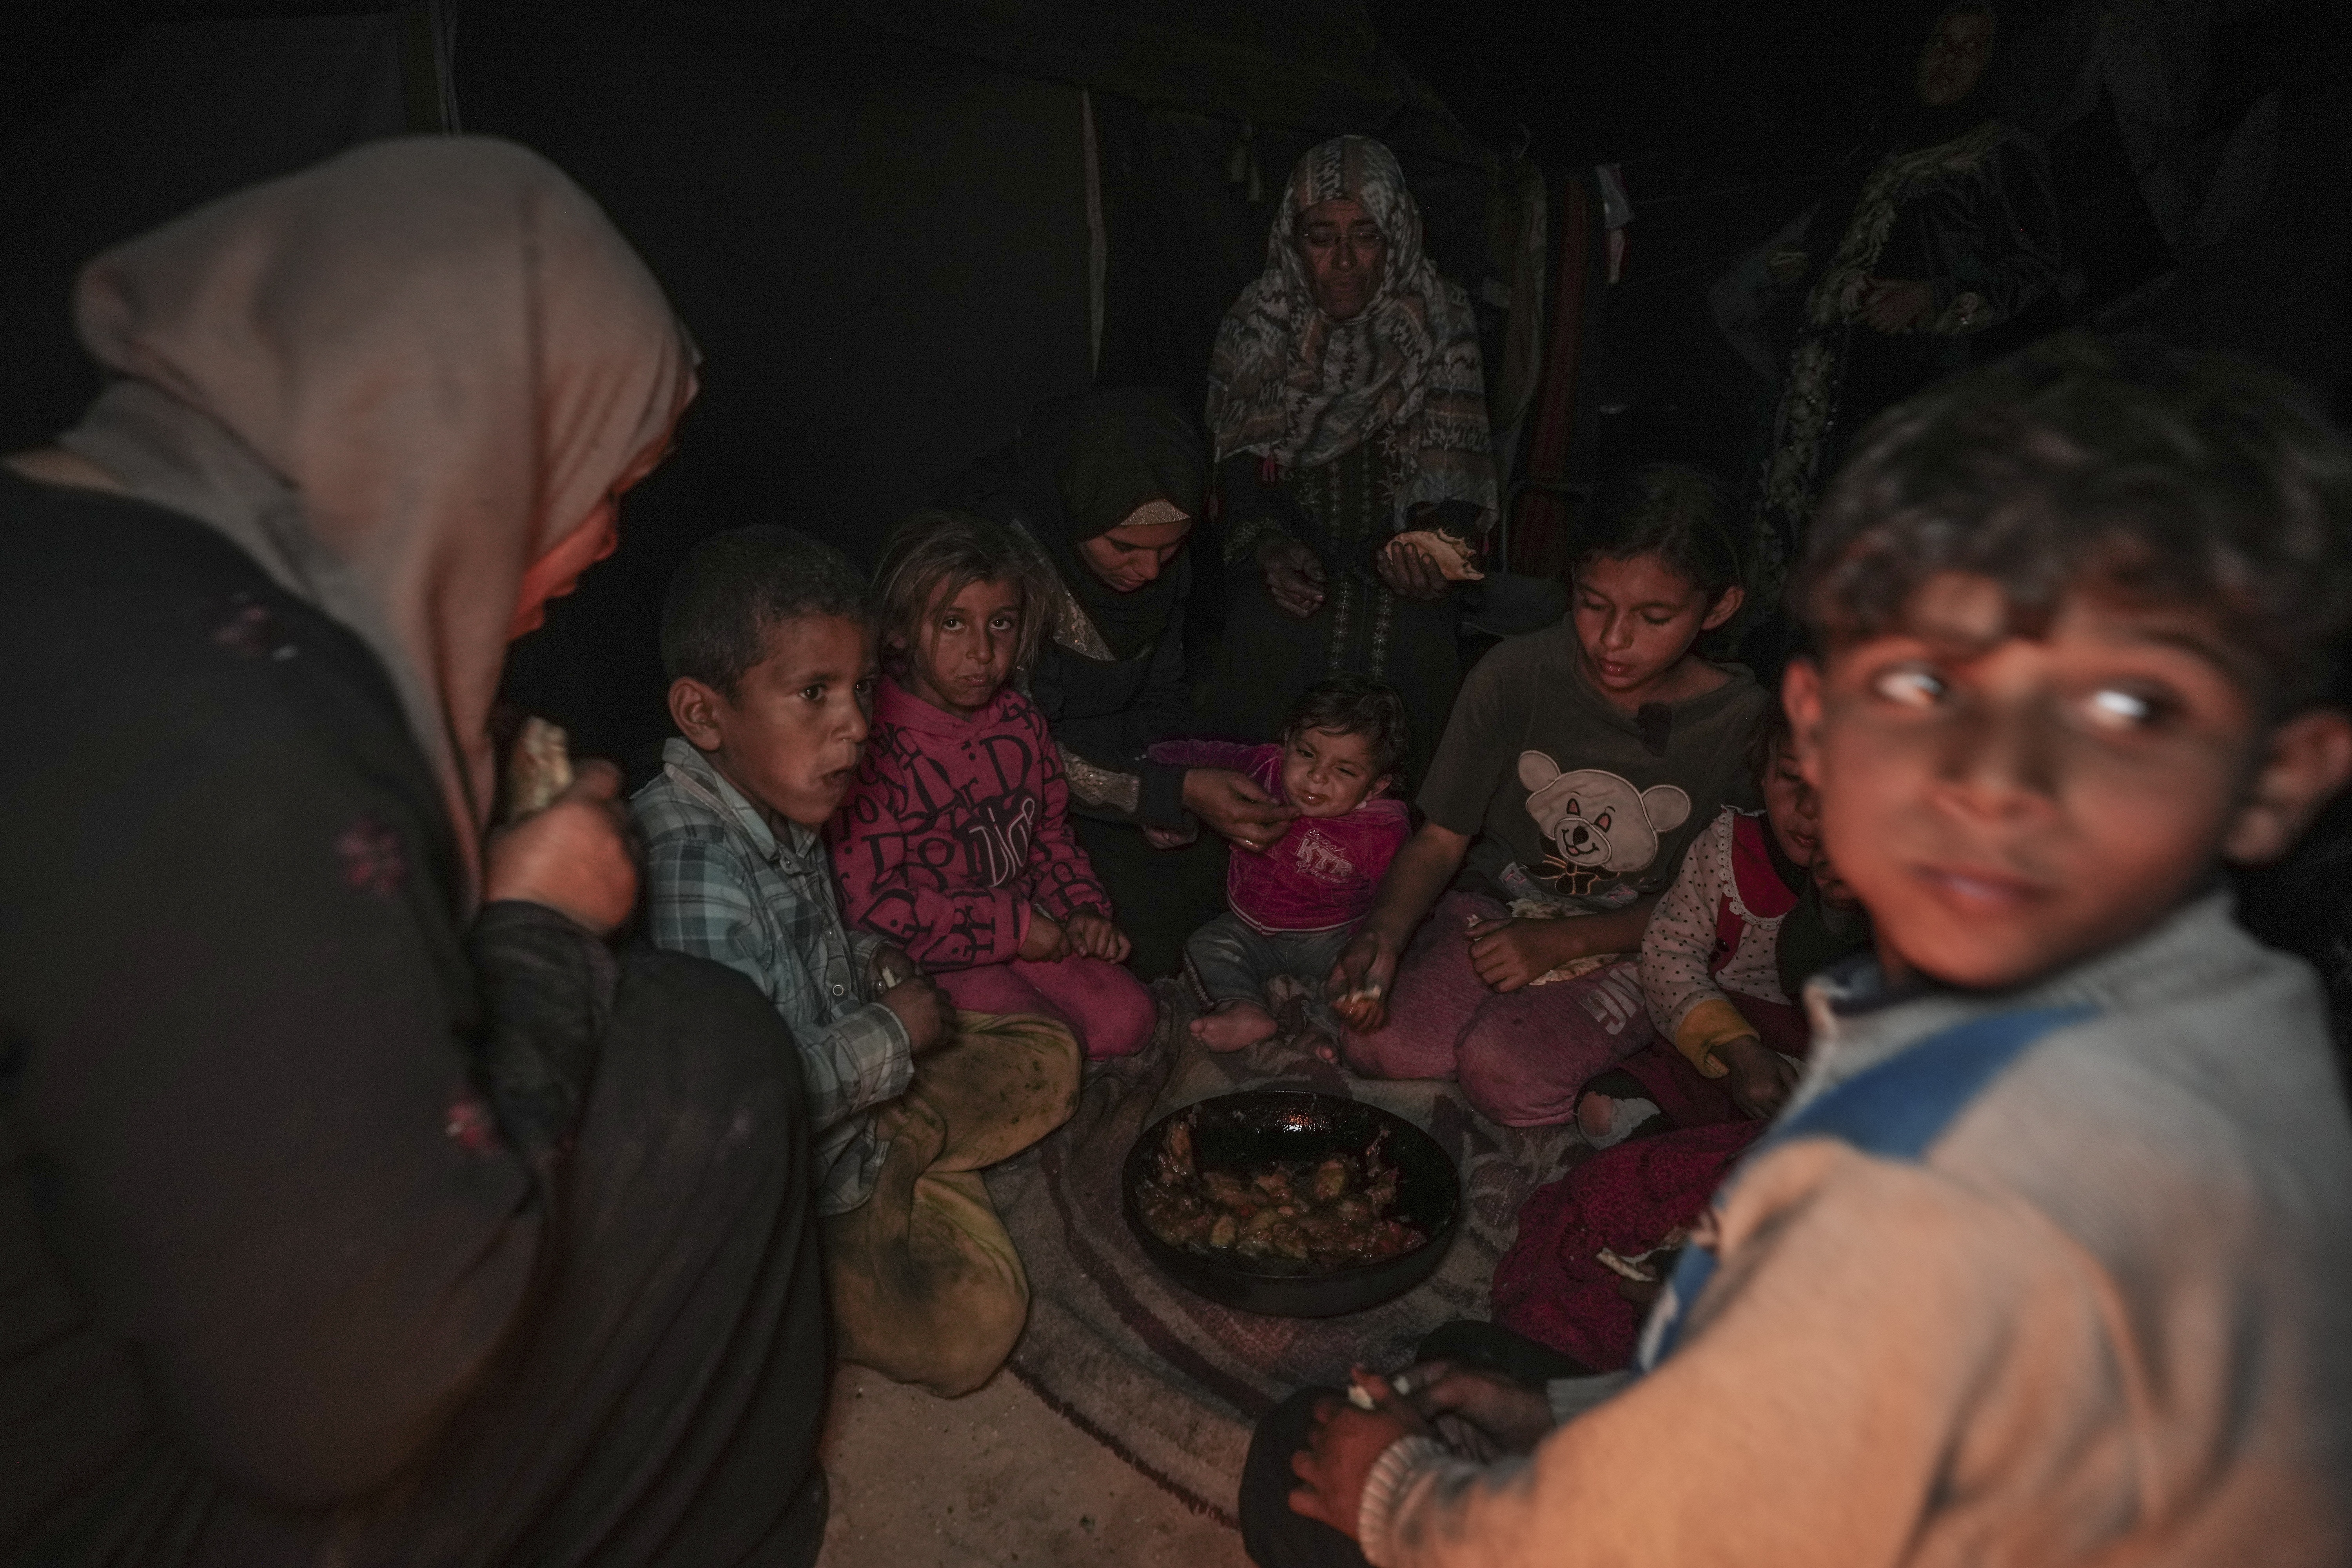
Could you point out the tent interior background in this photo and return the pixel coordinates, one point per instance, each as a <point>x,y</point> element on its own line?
<point>894,225</point>
<point>879,220</point>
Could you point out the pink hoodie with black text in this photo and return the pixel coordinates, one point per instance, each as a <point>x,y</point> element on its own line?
<point>954,827</point>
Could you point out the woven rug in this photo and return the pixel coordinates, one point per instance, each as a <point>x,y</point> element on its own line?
<point>1169,1381</point>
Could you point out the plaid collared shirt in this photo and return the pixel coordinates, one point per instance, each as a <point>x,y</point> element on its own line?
<point>723,888</point>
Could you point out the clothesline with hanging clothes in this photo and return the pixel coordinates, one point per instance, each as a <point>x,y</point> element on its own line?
<point>1592,213</point>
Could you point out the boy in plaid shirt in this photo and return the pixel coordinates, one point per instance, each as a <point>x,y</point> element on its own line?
<point>769,644</point>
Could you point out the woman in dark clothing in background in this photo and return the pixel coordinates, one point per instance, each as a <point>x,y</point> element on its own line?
<point>1942,226</point>
<point>1107,485</point>
<point>1347,408</point>
<point>358,1203</point>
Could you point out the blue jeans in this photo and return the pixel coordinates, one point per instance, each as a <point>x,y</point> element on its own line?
<point>1233,960</point>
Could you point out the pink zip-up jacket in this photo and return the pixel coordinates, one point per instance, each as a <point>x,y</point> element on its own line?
<point>955,828</point>
<point>1323,870</point>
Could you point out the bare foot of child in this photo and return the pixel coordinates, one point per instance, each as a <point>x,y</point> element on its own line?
<point>1608,1119</point>
<point>1593,1113</point>
<point>1232,1025</point>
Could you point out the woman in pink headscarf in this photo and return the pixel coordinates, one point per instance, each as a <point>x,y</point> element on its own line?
<point>1346,409</point>
<point>359,1203</point>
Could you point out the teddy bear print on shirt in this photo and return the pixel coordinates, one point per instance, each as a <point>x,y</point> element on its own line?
<point>1597,828</point>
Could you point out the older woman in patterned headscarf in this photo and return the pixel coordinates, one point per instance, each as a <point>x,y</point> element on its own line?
<point>1348,412</point>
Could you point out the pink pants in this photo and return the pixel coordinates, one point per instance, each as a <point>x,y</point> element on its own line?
<point>1520,1058</point>
<point>1105,1008</point>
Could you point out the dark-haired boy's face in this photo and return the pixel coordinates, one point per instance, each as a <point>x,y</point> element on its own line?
<point>1327,773</point>
<point>790,736</point>
<point>2005,806</point>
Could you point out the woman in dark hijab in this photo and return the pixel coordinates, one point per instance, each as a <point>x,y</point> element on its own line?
<point>1107,485</point>
<point>1942,224</point>
<point>359,1203</point>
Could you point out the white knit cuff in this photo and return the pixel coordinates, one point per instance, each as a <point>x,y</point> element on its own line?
<point>1391,1476</point>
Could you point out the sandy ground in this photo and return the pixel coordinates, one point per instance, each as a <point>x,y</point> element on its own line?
<point>992,1478</point>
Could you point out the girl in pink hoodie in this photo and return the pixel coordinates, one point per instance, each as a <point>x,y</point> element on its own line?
<point>955,841</point>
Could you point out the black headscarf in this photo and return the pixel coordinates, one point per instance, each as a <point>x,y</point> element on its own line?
<point>1910,124</point>
<point>1082,467</point>
<point>1902,123</point>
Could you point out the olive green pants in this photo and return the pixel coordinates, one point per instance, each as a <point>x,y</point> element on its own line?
<point>924,1283</point>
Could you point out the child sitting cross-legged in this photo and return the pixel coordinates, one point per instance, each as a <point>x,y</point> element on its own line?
<point>1503,949</point>
<point>955,842</point>
<point>1292,907</point>
<point>2045,1260</point>
<point>769,649</point>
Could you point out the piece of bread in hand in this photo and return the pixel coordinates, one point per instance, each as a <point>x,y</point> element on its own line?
<point>539,768</point>
<point>1453,556</point>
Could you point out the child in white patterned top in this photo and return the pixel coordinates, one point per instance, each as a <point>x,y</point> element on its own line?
<point>1731,1036</point>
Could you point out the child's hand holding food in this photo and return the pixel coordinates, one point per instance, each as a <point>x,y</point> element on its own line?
<point>1358,985</point>
<point>1511,953</point>
<point>891,965</point>
<point>1345,1441</point>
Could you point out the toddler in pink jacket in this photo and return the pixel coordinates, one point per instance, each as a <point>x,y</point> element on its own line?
<point>955,841</point>
<point>1292,908</point>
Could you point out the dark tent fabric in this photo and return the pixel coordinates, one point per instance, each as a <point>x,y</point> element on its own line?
<point>882,250</point>
<point>1305,64</point>
<point>182,113</point>
<point>874,216</point>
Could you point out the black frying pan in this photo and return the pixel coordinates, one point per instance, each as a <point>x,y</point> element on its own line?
<point>1260,1125</point>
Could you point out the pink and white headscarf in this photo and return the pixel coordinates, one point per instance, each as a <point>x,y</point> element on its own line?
<point>394,379</point>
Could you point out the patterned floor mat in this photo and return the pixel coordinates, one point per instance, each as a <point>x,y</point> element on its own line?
<point>1173,1382</point>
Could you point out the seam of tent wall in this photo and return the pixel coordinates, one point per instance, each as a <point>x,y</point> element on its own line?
<point>1312,65</point>
<point>1309,65</point>
<point>843,384</point>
